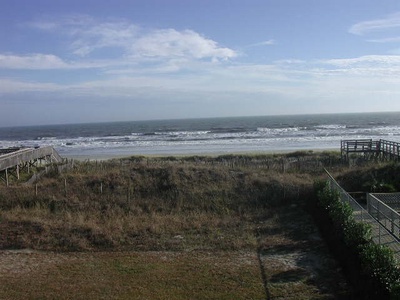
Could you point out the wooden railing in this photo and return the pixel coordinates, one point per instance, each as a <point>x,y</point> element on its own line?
<point>359,145</point>
<point>15,158</point>
<point>8,150</point>
<point>388,147</point>
<point>381,148</point>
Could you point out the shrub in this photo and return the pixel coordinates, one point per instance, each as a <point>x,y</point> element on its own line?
<point>378,262</point>
<point>339,212</point>
<point>357,234</point>
<point>380,273</point>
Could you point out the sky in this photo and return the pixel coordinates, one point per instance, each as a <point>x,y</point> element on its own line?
<point>125,60</point>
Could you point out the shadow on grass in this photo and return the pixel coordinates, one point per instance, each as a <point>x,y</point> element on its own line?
<point>290,276</point>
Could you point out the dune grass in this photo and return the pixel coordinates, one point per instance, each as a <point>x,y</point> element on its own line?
<point>231,227</point>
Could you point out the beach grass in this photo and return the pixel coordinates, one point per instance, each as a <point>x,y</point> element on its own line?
<point>227,227</point>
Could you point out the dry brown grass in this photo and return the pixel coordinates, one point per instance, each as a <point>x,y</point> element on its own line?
<point>124,205</point>
<point>131,275</point>
<point>237,231</point>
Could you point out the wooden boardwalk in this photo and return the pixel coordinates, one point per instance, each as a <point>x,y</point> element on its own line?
<point>15,159</point>
<point>369,148</point>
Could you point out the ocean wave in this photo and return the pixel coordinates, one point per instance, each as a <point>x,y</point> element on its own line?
<point>45,138</point>
<point>182,133</point>
<point>279,130</point>
<point>331,126</point>
<point>230,129</point>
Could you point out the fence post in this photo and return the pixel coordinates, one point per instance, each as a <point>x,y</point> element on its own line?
<point>379,222</point>
<point>391,221</point>
<point>379,211</point>
<point>7,182</point>
<point>379,235</point>
<point>362,215</point>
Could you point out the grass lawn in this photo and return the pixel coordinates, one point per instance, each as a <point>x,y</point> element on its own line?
<point>131,275</point>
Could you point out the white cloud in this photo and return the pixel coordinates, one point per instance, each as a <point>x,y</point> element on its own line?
<point>103,35</point>
<point>170,43</point>
<point>264,43</point>
<point>39,61</point>
<point>62,23</point>
<point>87,35</point>
<point>292,79</point>
<point>385,40</point>
<point>10,86</point>
<point>367,60</point>
<point>33,61</point>
<point>365,27</point>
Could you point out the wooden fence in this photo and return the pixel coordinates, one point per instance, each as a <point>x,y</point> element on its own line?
<point>369,148</point>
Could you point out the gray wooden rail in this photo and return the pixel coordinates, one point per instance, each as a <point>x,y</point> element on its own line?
<point>15,158</point>
<point>12,162</point>
<point>378,149</point>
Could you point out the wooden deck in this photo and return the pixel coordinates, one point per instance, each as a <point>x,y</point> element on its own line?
<point>14,159</point>
<point>369,148</point>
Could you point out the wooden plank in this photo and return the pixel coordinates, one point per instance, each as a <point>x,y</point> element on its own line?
<point>382,147</point>
<point>13,159</point>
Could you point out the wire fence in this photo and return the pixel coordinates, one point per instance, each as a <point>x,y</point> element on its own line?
<point>385,214</point>
<point>390,199</point>
<point>380,234</point>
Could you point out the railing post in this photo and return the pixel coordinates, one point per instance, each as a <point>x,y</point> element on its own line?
<point>392,221</point>
<point>379,211</point>
<point>398,228</point>
<point>362,215</point>
<point>379,234</point>
<point>379,223</point>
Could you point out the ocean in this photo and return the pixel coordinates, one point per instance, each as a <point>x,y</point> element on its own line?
<point>205,136</point>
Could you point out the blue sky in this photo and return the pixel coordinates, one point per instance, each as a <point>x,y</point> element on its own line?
<point>95,61</point>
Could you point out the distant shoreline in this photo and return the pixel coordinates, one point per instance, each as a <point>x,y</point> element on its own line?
<point>218,136</point>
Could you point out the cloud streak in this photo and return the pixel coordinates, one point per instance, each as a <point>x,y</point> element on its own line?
<point>264,43</point>
<point>366,27</point>
<point>279,78</point>
<point>170,43</point>
<point>367,60</point>
<point>32,62</point>
<point>88,39</point>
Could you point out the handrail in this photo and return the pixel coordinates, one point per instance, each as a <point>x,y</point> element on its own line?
<point>380,235</point>
<point>13,159</point>
<point>370,146</point>
<point>384,214</point>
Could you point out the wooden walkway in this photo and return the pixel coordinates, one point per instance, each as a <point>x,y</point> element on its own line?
<point>14,159</point>
<point>381,149</point>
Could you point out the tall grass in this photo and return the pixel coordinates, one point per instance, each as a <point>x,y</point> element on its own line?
<point>145,203</point>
